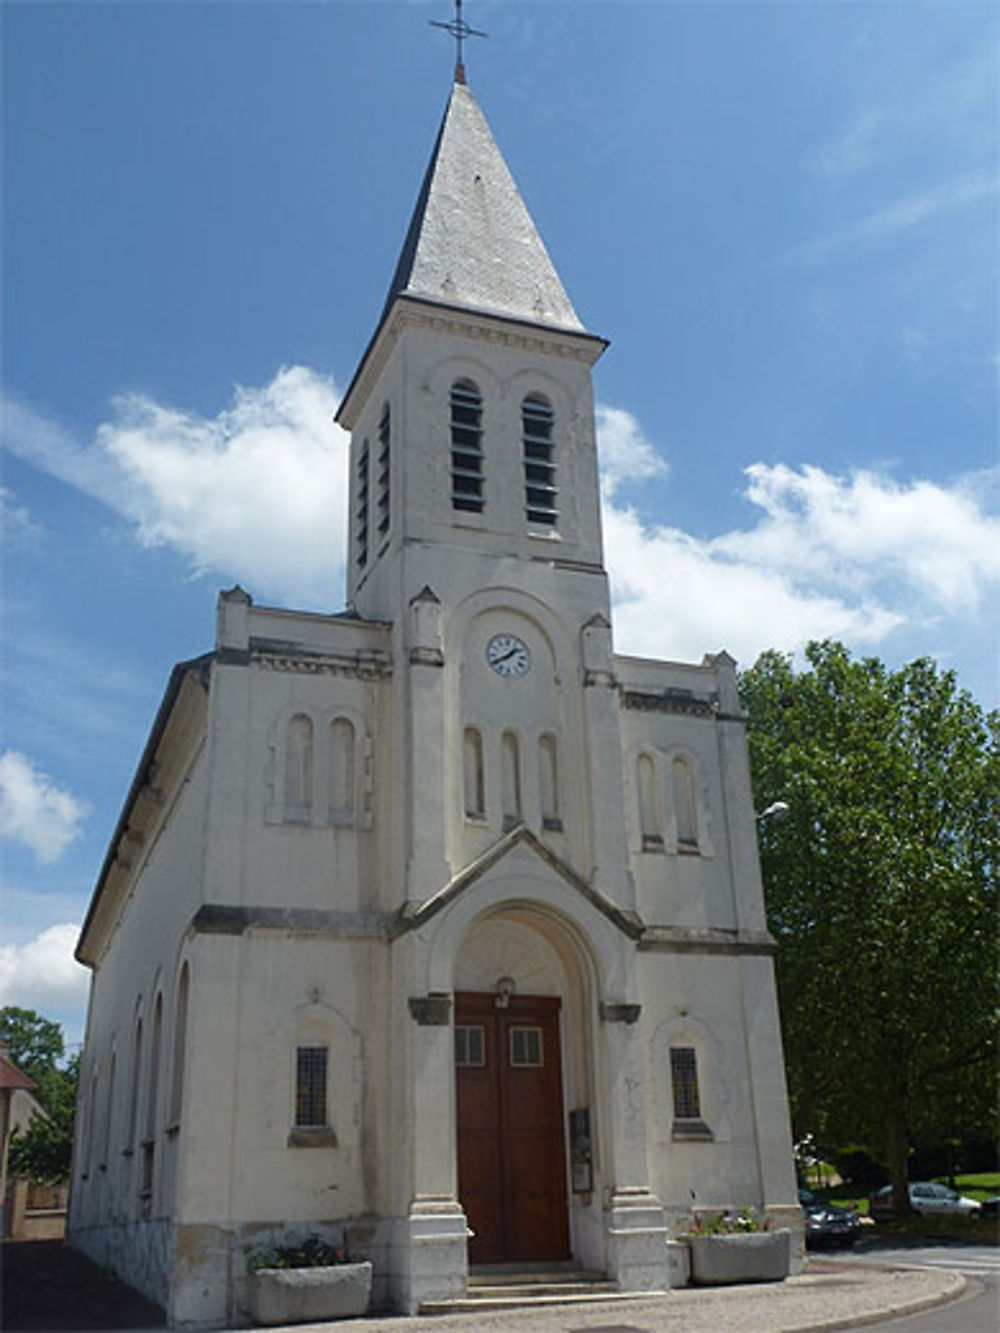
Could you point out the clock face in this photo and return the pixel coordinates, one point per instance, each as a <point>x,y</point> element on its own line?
<point>508,656</point>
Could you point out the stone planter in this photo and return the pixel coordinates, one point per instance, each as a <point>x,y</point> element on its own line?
<point>309,1295</point>
<point>749,1256</point>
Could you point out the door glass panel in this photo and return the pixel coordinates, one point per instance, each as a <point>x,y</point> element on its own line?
<point>526,1048</point>
<point>470,1047</point>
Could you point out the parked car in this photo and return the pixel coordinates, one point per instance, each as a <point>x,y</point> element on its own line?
<point>927,1199</point>
<point>826,1223</point>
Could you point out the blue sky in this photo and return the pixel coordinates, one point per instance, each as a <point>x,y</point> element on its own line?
<point>783,215</point>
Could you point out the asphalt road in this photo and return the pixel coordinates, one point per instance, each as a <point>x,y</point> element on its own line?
<point>977,1311</point>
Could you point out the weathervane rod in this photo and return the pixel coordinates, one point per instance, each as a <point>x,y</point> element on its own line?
<point>459,29</point>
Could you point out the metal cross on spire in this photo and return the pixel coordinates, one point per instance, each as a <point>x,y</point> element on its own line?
<point>459,29</point>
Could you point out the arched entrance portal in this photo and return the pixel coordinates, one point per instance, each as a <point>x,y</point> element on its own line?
<point>522,1060</point>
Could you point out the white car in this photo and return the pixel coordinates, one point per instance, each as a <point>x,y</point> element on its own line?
<point>928,1200</point>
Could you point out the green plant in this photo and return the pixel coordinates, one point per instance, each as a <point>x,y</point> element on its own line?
<point>311,1253</point>
<point>726,1224</point>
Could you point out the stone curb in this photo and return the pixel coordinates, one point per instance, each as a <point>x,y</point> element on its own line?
<point>900,1310</point>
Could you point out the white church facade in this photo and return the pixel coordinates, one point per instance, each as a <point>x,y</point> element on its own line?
<point>435,927</point>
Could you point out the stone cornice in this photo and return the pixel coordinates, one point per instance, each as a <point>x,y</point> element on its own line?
<point>408,312</point>
<point>367,664</point>
<point>226,919</point>
<point>671,701</point>
<point>707,940</point>
<point>384,927</point>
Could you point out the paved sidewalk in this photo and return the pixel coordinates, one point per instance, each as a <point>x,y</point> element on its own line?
<point>48,1287</point>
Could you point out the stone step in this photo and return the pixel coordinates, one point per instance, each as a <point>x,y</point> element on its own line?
<point>533,1295</point>
<point>518,1276</point>
<point>535,1287</point>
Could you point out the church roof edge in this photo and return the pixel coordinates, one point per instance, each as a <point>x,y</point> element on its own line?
<point>163,714</point>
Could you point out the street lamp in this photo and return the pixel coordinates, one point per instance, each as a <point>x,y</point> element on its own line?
<point>776,810</point>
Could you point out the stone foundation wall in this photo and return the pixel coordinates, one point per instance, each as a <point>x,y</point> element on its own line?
<point>139,1252</point>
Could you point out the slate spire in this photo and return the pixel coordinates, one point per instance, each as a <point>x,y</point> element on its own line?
<point>471,241</point>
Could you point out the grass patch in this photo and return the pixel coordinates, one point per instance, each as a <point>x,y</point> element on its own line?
<point>977,1186</point>
<point>967,1230</point>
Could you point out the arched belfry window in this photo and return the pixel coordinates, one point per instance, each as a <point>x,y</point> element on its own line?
<point>361,508</point>
<point>685,805</point>
<point>384,443</point>
<point>537,426</point>
<point>467,479</point>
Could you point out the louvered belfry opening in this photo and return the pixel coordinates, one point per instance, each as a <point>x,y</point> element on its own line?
<point>467,479</point>
<point>537,423</point>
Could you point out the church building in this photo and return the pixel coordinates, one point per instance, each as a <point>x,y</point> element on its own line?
<point>434,927</point>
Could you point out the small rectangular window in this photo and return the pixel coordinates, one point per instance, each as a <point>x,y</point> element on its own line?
<point>684,1078</point>
<point>470,1047</point>
<point>526,1048</point>
<point>310,1086</point>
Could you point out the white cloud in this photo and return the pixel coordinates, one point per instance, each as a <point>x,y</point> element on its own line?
<point>624,452</point>
<point>858,531</point>
<point>34,811</point>
<point>16,523</point>
<point>256,493</point>
<point>677,596</point>
<point>848,557</point>
<point>903,214</point>
<point>42,973</point>
<point>947,106</point>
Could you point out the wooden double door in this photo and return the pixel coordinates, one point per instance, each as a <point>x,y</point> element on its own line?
<point>511,1146</point>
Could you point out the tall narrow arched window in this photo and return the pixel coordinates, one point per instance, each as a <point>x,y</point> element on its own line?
<point>153,1086</point>
<point>650,822</point>
<point>180,1046</point>
<point>467,479</point>
<point>90,1118</point>
<point>341,768</point>
<point>298,767</point>
<point>109,1109</point>
<point>537,425</point>
<point>510,779</point>
<point>361,508</point>
<point>152,1101</point>
<point>132,1123</point>
<point>685,807</point>
<point>472,774</point>
<point>384,440</point>
<point>684,1083</point>
<point>548,782</point>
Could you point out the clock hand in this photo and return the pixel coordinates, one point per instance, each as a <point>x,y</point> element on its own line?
<point>509,653</point>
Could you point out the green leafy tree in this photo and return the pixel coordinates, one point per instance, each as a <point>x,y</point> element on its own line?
<point>35,1044</point>
<point>881,888</point>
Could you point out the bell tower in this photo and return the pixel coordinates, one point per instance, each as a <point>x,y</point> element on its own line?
<point>471,412</point>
